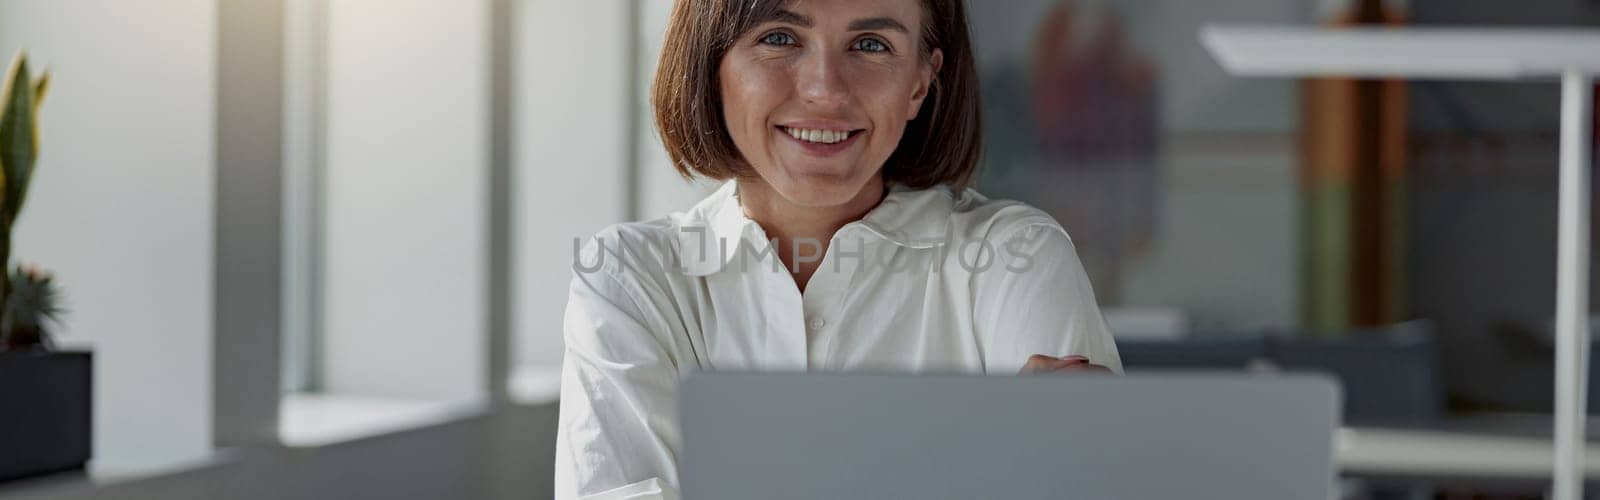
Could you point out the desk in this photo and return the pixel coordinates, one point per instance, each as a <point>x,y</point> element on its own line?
<point>1427,453</point>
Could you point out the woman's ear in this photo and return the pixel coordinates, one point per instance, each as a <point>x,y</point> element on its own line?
<point>925,81</point>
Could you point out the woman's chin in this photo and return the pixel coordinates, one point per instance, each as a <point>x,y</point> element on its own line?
<point>821,190</point>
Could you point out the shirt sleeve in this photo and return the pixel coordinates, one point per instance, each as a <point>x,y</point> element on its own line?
<point>1037,299</point>
<point>618,431</point>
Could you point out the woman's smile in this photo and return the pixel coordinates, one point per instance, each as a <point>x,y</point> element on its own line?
<point>820,139</point>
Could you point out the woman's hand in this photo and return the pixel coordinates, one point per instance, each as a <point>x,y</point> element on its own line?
<point>1040,363</point>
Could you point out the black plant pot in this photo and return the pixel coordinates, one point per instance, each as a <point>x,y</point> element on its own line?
<point>45,418</point>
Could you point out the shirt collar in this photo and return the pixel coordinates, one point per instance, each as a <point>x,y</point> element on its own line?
<point>912,218</point>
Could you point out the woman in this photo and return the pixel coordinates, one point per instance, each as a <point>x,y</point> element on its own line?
<point>843,240</point>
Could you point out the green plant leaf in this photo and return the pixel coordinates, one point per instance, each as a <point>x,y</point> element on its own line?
<point>19,141</point>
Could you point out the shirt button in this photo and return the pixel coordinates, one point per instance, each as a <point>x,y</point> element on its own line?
<point>817,323</point>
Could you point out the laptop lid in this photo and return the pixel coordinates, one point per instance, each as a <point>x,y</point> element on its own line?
<point>843,436</point>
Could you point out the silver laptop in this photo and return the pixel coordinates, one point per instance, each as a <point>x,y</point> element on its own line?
<point>1139,437</point>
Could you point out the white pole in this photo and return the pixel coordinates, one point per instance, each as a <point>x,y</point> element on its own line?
<point>1572,286</point>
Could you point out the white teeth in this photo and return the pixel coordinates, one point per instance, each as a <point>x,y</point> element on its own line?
<point>821,136</point>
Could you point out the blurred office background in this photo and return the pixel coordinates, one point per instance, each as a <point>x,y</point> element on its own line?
<point>320,248</point>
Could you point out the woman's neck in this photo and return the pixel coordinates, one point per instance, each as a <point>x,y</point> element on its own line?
<point>813,227</point>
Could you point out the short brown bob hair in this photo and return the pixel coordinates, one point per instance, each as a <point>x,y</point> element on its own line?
<point>940,146</point>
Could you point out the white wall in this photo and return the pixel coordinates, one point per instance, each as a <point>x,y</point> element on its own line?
<point>406,211</point>
<point>121,207</point>
<point>569,151</point>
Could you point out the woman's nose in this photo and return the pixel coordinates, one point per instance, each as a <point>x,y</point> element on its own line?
<point>821,79</point>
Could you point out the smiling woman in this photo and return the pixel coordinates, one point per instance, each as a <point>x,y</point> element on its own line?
<point>844,238</point>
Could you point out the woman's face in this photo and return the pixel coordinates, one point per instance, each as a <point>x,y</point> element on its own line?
<point>817,98</point>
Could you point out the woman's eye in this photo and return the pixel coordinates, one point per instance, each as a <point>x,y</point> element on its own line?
<point>871,45</point>
<point>778,38</point>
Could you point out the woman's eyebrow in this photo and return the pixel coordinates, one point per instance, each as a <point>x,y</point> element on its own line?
<point>878,23</point>
<point>869,24</point>
<point>789,17</point>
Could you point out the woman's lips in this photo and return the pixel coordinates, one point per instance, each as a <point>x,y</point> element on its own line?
<point>820,141</point>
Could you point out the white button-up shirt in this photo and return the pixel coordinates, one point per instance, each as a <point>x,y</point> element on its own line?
<point>930,280</point>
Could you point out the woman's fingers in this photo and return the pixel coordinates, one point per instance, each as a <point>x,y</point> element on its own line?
<point>1083,368</point>
<point>1040,363</point>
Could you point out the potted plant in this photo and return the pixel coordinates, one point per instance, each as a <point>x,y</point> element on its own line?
<point>44,392</point>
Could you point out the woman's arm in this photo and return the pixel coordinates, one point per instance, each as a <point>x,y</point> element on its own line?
<point>618,433</point>
<point>1036,300</point>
